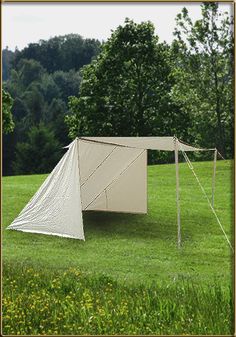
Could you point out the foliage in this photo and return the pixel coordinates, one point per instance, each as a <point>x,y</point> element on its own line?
<point>60,52</point>
<point>7,59</point>
<point>67,82</point>
<point>74,303</point>
<point>7,120</point>
<point>39,96</point>
<point>132,85</point>
<point>203,69</point>
<point>29,71</point>
<point>126,90</point>
<point>39,153</point>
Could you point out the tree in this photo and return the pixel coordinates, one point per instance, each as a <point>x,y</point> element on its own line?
<point>61,52</point>
<point>39,154</point>
<point>19,109</point>
<point>13,84</point>
<point>39,79</point>
<point>30,71</point>
<point>203,69</point>
<point>126,90</point>
<point>35,104</point>
<point>7,59</point>
<point>49,88</point>
<point>7,120</point>
<point>57,111</point>
<point>67,82</point>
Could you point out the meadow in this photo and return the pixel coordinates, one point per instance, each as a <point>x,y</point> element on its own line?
<point>128,277</point>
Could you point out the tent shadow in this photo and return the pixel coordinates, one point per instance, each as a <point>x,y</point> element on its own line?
<point>142,226</point>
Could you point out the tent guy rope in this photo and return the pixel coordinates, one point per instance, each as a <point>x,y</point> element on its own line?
<point>205,194</point>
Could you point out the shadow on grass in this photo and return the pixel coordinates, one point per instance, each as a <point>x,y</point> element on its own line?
<point>146,226</point>
<point>124,225</point>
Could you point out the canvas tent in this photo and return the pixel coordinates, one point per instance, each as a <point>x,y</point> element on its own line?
<point>96,173</point>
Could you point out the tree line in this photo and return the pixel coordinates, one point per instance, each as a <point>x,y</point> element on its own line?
<point>40,78</point>
<point>131,85</point>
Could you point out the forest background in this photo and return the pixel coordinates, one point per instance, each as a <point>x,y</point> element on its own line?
<point>130,85</point>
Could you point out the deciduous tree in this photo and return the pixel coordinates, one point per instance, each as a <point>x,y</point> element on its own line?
<point>126,90</point>
<point>7,120</point>
<point>39,154</point>
<point>203,69</point>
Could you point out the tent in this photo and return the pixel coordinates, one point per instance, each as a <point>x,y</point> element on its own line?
<point>96,173</point>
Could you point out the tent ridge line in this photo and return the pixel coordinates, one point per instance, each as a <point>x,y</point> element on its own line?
<point>109,143</point>
<point>99,166</point>
<point>87,139</point>
<point>115,179</point>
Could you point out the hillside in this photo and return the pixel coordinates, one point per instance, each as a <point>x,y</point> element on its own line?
<point>140,248</point>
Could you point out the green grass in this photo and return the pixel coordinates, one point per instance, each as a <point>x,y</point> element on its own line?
<point>135,252</point>
<point>73,303</point>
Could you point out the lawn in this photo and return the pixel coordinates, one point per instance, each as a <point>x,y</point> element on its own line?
<point>166,290</point>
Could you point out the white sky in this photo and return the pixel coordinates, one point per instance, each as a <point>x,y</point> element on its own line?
<point>24,23</point>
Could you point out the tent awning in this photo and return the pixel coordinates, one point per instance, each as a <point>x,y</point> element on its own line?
<point>146,143</point>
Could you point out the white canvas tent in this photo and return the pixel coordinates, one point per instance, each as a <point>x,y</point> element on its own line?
<point>96,173</point>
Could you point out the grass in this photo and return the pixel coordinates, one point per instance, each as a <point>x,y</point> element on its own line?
<point>167,290</point>
<point>72,303</point>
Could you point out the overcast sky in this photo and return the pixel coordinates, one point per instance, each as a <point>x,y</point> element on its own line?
<point>24,23</point>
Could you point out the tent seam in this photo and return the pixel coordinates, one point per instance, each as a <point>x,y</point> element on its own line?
<point>141,148</point>
<point>98,166</point>
<point>115,179</point>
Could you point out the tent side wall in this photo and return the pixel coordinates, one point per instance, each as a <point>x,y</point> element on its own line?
<point>113,178</point>
<point>56,208</point>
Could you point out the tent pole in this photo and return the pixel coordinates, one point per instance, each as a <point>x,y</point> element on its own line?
<point>177,190</point>
<point>214,178</point>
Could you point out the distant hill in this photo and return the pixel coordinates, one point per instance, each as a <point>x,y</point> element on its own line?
<point>40,78</point>
<point>65,52</point>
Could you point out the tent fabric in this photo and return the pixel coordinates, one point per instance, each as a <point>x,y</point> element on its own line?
<point>128,193</point>
<point>96,173</point>
<point>147,143</point>
<point>56,207</point>
<point>101,166</point>
<point>125,189</point>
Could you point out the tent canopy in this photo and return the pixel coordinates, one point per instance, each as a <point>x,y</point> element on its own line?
<point>96,173</point>
<point>145,143</point>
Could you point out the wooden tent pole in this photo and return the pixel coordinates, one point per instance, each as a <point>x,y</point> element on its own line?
<point>177,190</point>
<point>214,178</point>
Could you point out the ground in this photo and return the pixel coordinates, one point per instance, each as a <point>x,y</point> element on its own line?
<point>134,250</point>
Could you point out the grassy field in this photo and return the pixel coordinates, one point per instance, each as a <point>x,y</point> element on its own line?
<point>130,264</point>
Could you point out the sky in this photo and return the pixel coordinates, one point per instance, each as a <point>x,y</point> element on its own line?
<point>25,23</point>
